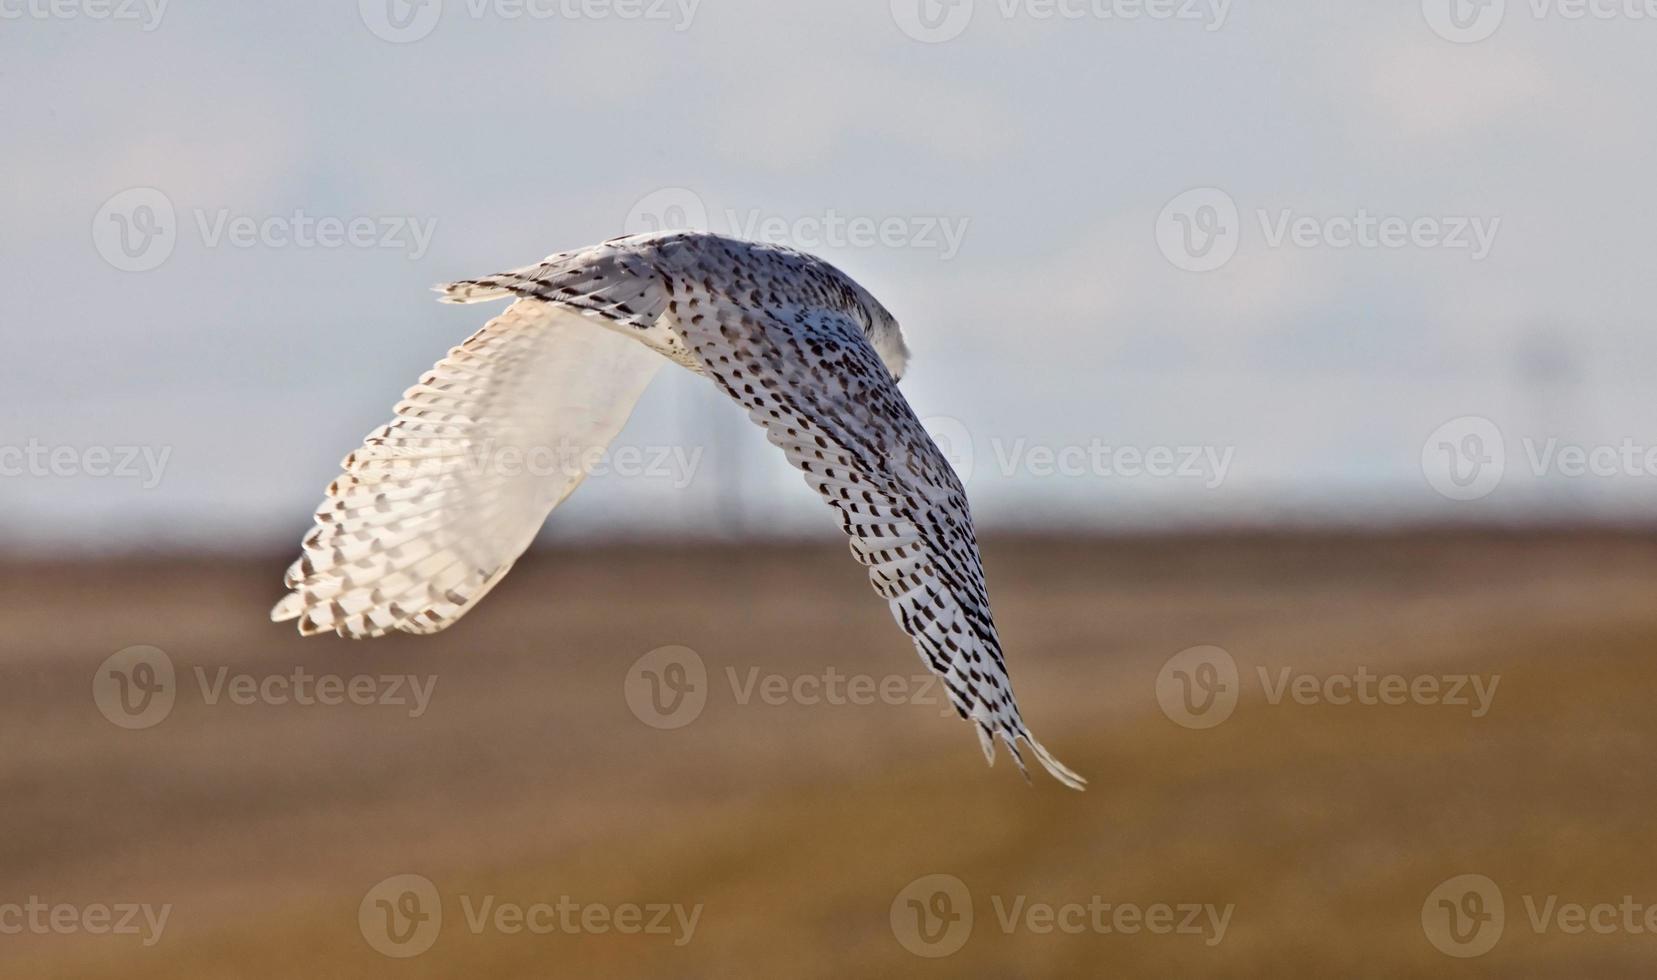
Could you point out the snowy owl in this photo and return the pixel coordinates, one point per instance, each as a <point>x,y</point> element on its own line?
<point>427,517</point>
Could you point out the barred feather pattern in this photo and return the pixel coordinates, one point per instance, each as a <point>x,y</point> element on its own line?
<point>810,356</point>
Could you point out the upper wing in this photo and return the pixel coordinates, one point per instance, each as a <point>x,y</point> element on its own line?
<point>436,505</point>
<point>812,379</point>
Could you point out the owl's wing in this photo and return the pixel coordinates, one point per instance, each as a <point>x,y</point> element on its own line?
<point>817,386</point>
<point>437,504</point>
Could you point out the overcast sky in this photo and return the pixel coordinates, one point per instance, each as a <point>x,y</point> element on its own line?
<point>1159,262</point>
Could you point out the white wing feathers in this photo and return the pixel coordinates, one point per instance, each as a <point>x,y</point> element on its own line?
<point>425,519</point>
<point>436,505</point>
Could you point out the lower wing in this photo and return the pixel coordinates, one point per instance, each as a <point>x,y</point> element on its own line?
<point>811,378</point>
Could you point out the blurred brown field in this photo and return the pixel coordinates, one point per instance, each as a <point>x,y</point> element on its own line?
<point>796,828</point>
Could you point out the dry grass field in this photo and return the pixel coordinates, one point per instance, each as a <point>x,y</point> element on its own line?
<point>792,824</point>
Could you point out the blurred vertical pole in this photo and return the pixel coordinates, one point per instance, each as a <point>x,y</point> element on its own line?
<point>714,521</point>
<point>727,428</point>
<point>1549,381</point>
<point>713,506</point>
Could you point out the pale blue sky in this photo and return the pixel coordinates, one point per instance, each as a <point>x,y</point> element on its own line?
<point>1012,176</point>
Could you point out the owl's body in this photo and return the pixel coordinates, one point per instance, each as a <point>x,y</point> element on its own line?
<point>425,519</point>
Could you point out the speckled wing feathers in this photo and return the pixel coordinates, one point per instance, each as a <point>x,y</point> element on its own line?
<point>825,399</point>
<point>810,376</point>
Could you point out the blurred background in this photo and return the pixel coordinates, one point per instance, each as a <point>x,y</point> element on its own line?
<point>1297,364</point>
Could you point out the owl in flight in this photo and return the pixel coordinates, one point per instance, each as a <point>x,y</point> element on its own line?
<point>419,527</point>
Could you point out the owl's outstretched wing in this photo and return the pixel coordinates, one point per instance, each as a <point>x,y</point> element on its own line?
<point>437,504</point>
<point>811,378</point>
<point>427,518</point>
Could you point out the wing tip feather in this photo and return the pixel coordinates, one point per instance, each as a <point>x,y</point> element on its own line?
<point>291,606</point>
<point>470,291</point>
<point>1058,770</point>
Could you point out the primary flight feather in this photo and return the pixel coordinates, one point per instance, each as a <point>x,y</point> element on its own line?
<point>436,505</point>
